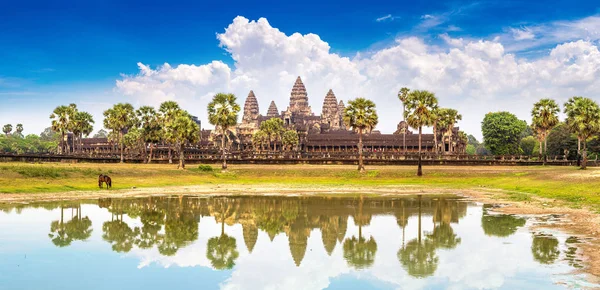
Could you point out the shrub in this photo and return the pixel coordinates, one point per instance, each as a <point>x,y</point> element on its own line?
<point>205,168</point>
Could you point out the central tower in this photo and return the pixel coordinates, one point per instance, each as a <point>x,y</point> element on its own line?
<point>299,99</point>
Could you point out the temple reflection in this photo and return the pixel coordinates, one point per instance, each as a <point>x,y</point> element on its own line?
<point>170,223</point>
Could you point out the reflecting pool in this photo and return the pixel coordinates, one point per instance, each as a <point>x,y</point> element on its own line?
<point>276,242</point>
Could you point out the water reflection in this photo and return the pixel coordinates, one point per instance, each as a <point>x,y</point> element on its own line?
<point>417,236</point>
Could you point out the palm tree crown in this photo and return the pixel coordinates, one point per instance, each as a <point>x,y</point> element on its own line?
<point>360,114</point>
<point>420,107</point>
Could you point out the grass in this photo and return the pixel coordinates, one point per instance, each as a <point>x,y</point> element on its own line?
<point>575,187</point>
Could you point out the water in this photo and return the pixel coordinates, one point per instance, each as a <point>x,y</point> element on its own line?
<point>269,242</point>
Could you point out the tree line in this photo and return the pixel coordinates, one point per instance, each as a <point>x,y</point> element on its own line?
<point>505,134</point>
<point>144,128</point>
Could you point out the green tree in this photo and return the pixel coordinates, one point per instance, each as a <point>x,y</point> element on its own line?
<point>81,126</point>
<point>289,139</point>
<point>120,118</point>
<point>361,116</point>
<point>182,131</point>
<point>49,135</point>
<point>151,128</point>
<point>7,129</point>
<point>420,106</point>
<point>448,119</point>
<point>168,110</point>
<point>119,234</point>
<point>471,149</point>
<point>501,132</point>
<point>583,118</point>
<point>259,139</point>
<point>19,131</point>
<point>273,129</point>
<point>223,114</point>
<point>60,123</point>
<point>101,134</point>
<point>561,141</point>
<point>544,117</point>
<point>403,97</point>
<point>79,228</point>
<point>545,249</point>
<point>527,145</point>
<point>134,141</point>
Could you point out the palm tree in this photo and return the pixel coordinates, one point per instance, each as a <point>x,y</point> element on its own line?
<point>7,129</point>
<point>60,123</point>
<point>448,118</point>
<point>19,130</point>
<point>403,96</point>
<point>151,127</point>
<point>583,118</point>
<point>545,117</point>
<point>421,106</point>
<point>223,113</point>
<point>222,250</point>
<point>81,124</point>
<point>273,128</point>
<point>182,131</point>
<point>119,119</point>
<point>168,111</point>
<point>259,138</point>
<point>360,114</point>
<point>58,232</point>
<point>289,139</point>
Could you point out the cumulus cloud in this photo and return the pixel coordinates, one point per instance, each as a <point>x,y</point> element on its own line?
<point>473,76</point>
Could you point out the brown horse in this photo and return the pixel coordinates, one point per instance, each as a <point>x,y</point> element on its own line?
<point>106,179</point>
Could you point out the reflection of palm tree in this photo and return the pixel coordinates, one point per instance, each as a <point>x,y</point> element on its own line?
<point>180,230</point>
<point>79,228</point>
<point>221,250</point>
<point>119,234</point>
<point>360,253</point>
<point>545,249</point>
<point>58,232</point>
<point>502,225</point>
<point>443,236</point>
<point>418,257</point>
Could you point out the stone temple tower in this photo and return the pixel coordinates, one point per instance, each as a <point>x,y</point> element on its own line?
<point>330,114</point>
<point>299,100</point>
<point>272,112</point>
<point>341,108</point>
<point>251,110</point>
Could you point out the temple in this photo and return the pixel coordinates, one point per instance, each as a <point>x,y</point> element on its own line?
<point>328,132</point>
<point>320,136</point>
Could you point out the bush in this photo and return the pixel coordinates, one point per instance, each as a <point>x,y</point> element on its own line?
<point>205,168</point>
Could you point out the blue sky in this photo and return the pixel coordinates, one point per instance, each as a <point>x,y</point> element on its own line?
<point>76,51</point>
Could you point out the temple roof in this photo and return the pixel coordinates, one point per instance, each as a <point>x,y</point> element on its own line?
<point>299,98</point>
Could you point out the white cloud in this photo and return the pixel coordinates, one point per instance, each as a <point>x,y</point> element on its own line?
<point>522,33</point>
<point>384,18</point>
<point>473,76</point>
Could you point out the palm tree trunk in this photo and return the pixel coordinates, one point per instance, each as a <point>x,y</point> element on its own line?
<point>545,149</point>
<point>361,166</point>
<point>181,157</point>
<point>224,166</point>
<point>404,129</point>
<point>62,143</point>
<point>419,169</point>
<point>584,152</point>
<point>73,143</point>
<point>121,145</point>
<point>170,154</point>
<point>150,156</point>
<point>435,140</point>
